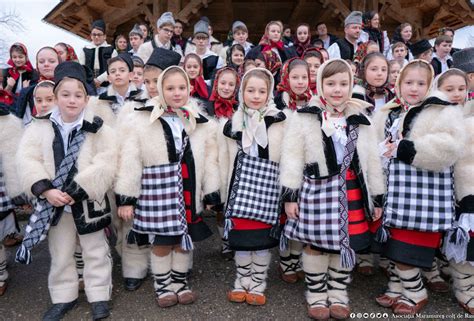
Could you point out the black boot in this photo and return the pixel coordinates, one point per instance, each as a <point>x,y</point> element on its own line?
<point>132,284</point>
<point>100,310</point>
<point>57,311</point>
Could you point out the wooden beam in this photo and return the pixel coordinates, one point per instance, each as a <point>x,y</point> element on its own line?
<point>174,6</point>
<point>148,13</point>
<point>118,17</point>
<point>357,5</point>
<point>117,3</point>
<point>297,10</point>
<point>338,4</point>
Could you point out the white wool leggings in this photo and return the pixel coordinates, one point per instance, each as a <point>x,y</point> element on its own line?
<point>63,280</point>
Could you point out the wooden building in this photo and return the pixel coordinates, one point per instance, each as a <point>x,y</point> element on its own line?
<point>426,17</point>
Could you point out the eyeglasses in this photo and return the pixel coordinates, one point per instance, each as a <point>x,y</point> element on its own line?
<point>98,35</point>
<point>168,31</point>
<point>202,37</point>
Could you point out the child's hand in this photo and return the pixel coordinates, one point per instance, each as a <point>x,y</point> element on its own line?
<point>10,83</point>
<point>390,148</point>
<point>97,83</point>
<point>125,212</point>
<point>377,213</point>
<point>291,210</point>
<point>56,197</point>
<point>26,83</point>
<point>71,200</point>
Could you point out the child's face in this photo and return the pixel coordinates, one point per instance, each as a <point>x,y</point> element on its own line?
<point>19,59</point>
<point>274,32</point>
<point>406,33</point>
<point>313,64</point>
<point>122,43</point>
<point>325,55</point>
<point>175,90</point>
<point>302,33</point>
<point>137,77</point>
<point>151,81</point>
<point>44,100</point>
<point>97,36</point>
<point>165,32</point>
<point>427,55</point>
<point>178,29</point>
<point>259,63</point>
<point>336,89</point>
<point>226,85</point>
<point>119,75</point>
<point>414,85</point>
<point>71,99</point>
<point>47,62</point>
<point>240,36</point>
<point>399,53</point>
<point>61,52</point>
<point>144,29</point>
<point>256,93</point>
<point>376,72</point>
<point>298,79</point>
<point>135,41</point>
<point>192,68</point>
<point>201,41</point>
<point>394,72</point>
<point>443,49</point>
<point>238,57</point>
<point>455,88</point>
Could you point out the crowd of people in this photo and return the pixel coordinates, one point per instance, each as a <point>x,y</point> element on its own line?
<point>335,150</point>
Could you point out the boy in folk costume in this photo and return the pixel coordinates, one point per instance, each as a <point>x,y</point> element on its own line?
<point>68,160</point>
<point>169,159</point>
<point>253,205</point>
<point>421,139</point>
<point>464,60</point>
<point>330,158</point>
<point>10,135</point>
<point>95,55</point>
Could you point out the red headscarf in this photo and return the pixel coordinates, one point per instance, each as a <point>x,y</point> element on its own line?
<point>284,85</point>
<point>224,107</point>
<point>302,46</point>
<point>14,71</point>
<point>70,53</point>
<point>313,85</point>
<point>198,83</point>
<point>266,43</point>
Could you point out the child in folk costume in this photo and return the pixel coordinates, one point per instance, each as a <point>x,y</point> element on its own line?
<point>332,185</point>
<point>422,138</point>
<point>314,59</point>
<point>222,107</point>
<point>20,73</point>
<point>68,161</point>
<point>10,135</point>
<point>135,258</point>
<point>43,96</point>
<point>253,204</point>
<point>168,161</point>
<point>199,89</point>
<point>293,93</point>
<point>302,39</point>
<point>464,60</point>
<point>452,86</point>
<point>394,67</point>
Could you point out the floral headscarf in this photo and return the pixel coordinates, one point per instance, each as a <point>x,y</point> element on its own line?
<point>224,107</point>
<point>14,71</point>
<point>284,85</point>
<point>199,85</point>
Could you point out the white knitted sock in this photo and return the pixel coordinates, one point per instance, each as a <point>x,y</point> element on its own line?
<point>463,282</point>
<point>260,264</point>
<point>413,290</point>
<point>315,268</point>
<point>243,264</point>
<point>161,269</point>
<point>338,280</point>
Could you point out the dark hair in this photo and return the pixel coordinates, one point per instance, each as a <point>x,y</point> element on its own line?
<point>315,54</point>
<point>335,67</point>
<point>147,68</point>
<point>115,59</point>
<point>452,72</point>
<point>318,41</point>
<point>443,30</point>
<point>367,17</point>
<point>367,60</point>
<point>320,23</point>
<point>297,62</point>
<point>443,38</point>
<point>236,47</point>
<point>397,34</point>
<point>18,48</point>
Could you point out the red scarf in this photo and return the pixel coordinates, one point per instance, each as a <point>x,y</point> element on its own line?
<point>224,107</point>
<point>313,87</point>
<point>302,46</point>
<point>199,87</point>
<point>284,86</point>
<point>15,71</point>
<point>267,44</point>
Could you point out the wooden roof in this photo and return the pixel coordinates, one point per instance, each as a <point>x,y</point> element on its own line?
<point>426,17</point>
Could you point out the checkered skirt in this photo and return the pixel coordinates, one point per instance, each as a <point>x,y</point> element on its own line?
<point>419,199</point>
<point>318,222</point>
<point>255,191</point>
<point>5,201</point>
<point>160,207</point>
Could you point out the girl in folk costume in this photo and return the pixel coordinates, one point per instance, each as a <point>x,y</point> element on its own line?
<point>371,31</point>
<point>394,67</point>
<point>222,107</point>
<point>68,161</point>
<point>372,84</point>
<point>235,58</point>
<point>302,39</point>
<point>168,161</point>
<point>20,73</point>
<point>314,59</point>
<point>10,135</point>
<point>421,139</point>
<point>66,52</point>
<point>43,96</point>
<point>253,204</point>
<point>293,90</point>
<point>458,242</point>
<point>192,64</point>
<point>46,61</point>
<point>330,167</point>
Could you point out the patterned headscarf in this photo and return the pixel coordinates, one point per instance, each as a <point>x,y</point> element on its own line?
<point>14,71</point>
<point>265,41</point>
<point>371,91</point>
<point>302,46</point>
<point>284,85</point>
<point>198,83</point>
<point>70,53</point>
<point>224,107</point>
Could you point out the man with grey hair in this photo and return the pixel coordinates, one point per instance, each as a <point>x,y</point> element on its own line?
<point>345,48</point>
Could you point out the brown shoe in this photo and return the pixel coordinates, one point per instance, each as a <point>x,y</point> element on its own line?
<point>319,312</point>
<point>438,286</point>
<point>366,270</point>
<point>466,308</point>
<point>339,311</point>
<point>167,301</point>
<point>255,299</point>
<point>3,288</point>
<point>187,297</point>
<point>300,274</point>
<point>386,301</point>
<point>287,277</point>
<point>236,296</point>
<point>404,309</point>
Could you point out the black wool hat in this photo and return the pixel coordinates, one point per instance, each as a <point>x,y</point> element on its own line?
<point>163,58</point>
<point>126,58</point>
<point>420,47</point>
<point>69,69</point>
<point>99,24</point>
<point>464,60</point>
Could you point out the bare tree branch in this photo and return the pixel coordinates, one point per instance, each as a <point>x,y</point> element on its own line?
<point>11,20</point>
